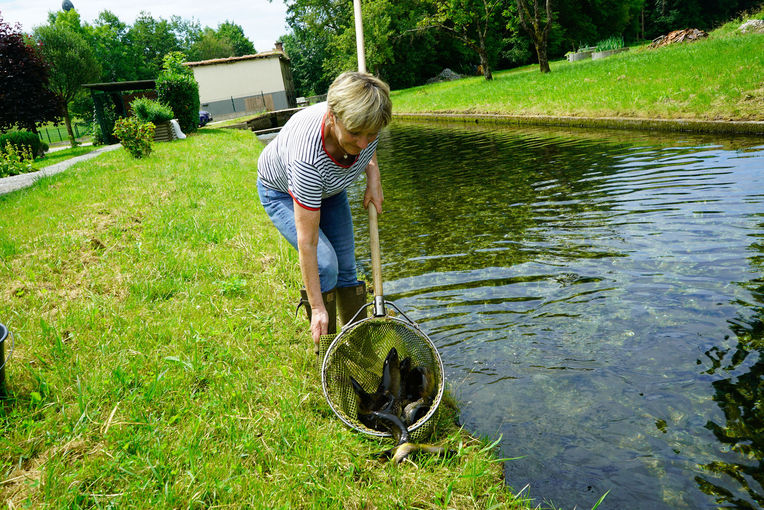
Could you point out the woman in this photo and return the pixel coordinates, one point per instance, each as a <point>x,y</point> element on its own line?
<point>302,177</point>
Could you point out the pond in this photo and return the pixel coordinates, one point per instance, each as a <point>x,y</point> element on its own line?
<point>598,301</point>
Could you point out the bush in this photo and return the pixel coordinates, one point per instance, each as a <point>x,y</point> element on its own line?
<point>135,136</point>
<point>611,43</point>
<point>181,92</point>
<point>148,110</point>
<point>24,139</point>
<point>14,161</point>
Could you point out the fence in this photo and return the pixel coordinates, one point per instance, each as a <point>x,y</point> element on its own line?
<point>53,134</point>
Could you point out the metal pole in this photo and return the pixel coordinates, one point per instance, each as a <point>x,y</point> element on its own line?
<point>359,36</point>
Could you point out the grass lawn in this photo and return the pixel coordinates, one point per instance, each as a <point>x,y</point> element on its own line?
<point>158,362</point>
<point>719,78</point>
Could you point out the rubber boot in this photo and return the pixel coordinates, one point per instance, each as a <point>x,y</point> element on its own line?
<point>349,301</point>
<point>330,302</point>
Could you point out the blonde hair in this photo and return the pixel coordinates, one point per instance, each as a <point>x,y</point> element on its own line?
<point>361,101</point>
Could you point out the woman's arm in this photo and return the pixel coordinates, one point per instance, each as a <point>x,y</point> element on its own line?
<point>373,185</point>
<point>307,222</point>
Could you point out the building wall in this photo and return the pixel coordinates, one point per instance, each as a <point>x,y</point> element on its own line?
<point>241,78</point>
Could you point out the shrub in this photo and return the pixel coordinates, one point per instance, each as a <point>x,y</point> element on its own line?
<point>24,139</point>
<point>181,92</point>
<point>135,136</point>
<point>611,43</point>
<point>14,161</point>
<point>103,136</point>
<point>148,110</point>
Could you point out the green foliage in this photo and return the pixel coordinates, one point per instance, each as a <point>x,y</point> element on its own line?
<point>155,38</point>
<point>24,140</point>
<point>233,34</point>
<point>611,43</point>
<point>109,118</point>
<point>210,45</point>
<point>148,110</point>
<point>107,37</point>
<point>72,64</point>
<point>135,136</point>
<point>15,160</point>
<point>173,63</point>
<point>181,93</point>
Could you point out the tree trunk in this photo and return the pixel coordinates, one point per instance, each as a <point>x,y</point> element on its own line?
<point>484,64</point>
<point>543,60</point>
<point>68,122</point>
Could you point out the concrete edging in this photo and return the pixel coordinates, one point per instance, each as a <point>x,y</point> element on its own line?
<point>17,182</point>
<point>733,127</point>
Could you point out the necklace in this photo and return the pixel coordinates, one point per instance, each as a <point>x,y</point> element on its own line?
<point>345,156</point>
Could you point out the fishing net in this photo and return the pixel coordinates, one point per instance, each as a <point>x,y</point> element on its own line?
<point>360,350</point>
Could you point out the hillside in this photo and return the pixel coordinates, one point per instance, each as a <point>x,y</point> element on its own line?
<point>718,78</point>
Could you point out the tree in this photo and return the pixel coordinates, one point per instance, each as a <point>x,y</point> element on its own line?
<point>306,55</point>
<point>234,35</point>
<point>72,64</point>
<point>107,38</point>
<point>25,100</point>
<point>153,39</point>
<point>536,23</point>
<point>210,46</point>
<point>473,22</point>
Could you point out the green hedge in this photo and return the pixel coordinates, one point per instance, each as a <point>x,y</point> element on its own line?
<point>181,93</point>
<point>148,110</point>
<point>21,139</point>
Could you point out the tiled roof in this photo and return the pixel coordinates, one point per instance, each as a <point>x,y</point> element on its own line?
<point>263,54</point>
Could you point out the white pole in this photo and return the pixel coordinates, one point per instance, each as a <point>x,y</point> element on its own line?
<point>359,36</point>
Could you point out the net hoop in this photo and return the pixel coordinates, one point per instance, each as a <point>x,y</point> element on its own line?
<point>341,339</point>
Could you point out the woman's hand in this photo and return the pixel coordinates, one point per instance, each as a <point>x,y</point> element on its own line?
<point>319,324</point>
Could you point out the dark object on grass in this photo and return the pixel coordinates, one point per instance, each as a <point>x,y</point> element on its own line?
<point>204,117</point>
<point>4,335</point>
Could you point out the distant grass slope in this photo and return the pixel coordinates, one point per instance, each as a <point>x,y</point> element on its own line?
<point>720,78</point>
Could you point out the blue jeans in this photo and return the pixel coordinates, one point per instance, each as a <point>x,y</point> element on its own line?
<point>336,246</point>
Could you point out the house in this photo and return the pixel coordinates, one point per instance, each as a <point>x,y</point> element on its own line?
<point>250,83</point>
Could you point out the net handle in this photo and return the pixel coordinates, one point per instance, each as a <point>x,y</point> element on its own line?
<point>376,262</point>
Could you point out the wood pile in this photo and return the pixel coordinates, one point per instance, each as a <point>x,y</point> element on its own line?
<point>677,36</point>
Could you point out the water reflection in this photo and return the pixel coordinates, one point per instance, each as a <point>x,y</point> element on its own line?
<point>582,289</point>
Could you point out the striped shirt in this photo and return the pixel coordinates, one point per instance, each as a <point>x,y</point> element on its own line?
<point>297,163</point>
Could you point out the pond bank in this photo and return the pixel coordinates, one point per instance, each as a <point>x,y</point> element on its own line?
<point>733,127</point>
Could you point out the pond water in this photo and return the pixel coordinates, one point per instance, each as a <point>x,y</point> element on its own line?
<point>598,301</point>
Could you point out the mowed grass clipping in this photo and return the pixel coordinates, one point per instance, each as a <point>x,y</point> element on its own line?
<point>158,362</point>
<point>719,78</point>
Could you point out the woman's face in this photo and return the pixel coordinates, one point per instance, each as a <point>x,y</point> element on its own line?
<point>352,142</point>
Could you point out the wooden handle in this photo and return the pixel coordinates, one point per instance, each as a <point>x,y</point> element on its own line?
<point>376,261</point>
